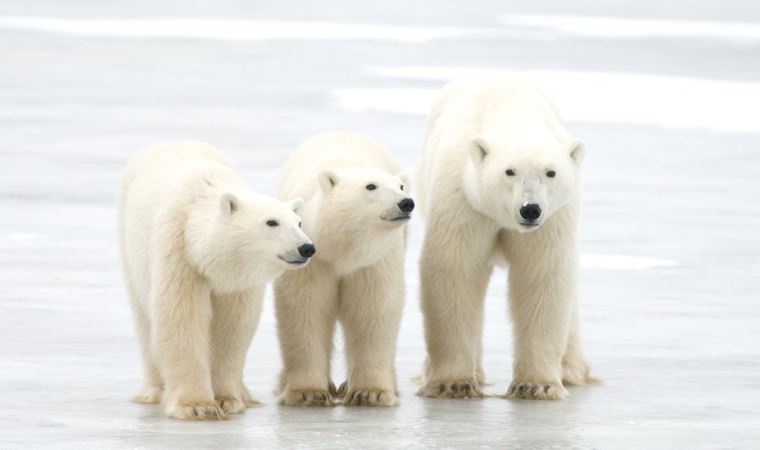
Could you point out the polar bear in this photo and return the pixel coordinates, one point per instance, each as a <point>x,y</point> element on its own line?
<point>197,250</point>
<point>500,182</point>
<point>357,205</point>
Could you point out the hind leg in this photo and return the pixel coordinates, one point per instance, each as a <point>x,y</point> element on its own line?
<point>152,387</point>
<point>575,368</point>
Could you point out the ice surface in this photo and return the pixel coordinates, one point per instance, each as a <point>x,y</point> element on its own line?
<point>670,235</point>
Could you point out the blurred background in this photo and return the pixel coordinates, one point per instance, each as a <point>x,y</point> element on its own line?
<point>666,96</point>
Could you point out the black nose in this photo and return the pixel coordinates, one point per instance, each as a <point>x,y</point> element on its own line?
<point>530,211</point>
<point>307,250</point>
<point>406,205</point>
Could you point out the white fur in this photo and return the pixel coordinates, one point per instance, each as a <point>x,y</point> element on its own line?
<point>197,253</point>
<point>357,276</point>
<point>477,130</point>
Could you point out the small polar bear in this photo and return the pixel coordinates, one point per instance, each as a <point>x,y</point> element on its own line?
<point>500,182</point>
<point>356,209</point>
<point>198,249</point>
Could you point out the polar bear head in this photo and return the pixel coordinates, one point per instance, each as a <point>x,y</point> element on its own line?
<point>520,181</point>
<point>365,197</point>
<point>247,240</point>
<point>357,213</point>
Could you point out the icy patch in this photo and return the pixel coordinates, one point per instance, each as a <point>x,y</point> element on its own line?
<point>623,262</point>
<point>391,100</point>
<point>601,97</point>
<point>238,29</point>
<point>633,28</point>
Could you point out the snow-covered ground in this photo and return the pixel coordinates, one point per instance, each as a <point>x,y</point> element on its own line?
<point>665,95</point>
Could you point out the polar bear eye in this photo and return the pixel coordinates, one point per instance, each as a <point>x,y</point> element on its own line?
<point>510,173</point>
<point>371,187</point>
<point>272,223</point>
<point>402,187</point>
<point>299,224</point>
<point>551,174</point>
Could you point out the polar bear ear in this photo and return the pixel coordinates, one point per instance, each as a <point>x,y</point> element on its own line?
<point>229,204</point>
<point>327,179</point>
<point>405,181</point>
<point>577,151</point>
<point>478,149</point>
<point>295,204</point>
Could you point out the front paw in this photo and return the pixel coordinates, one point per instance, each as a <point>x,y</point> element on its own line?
<point>461,388</point>
<point>194,410</point>
<point>368,396</point>
<point>307,397</point>
<point>536,391</point>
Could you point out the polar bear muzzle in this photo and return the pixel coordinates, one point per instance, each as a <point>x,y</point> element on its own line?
<point>305,252</point>
<point>405,208</point>
<point>530,212</point>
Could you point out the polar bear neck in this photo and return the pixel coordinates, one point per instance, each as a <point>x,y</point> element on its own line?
<point>349,252</point>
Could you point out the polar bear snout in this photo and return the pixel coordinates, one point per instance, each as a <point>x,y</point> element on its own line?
<point>401,212</point>
<point>300,256</point>
<point>530,211</point>
<point>307,250</point>
<point>531,216</point>
<point>406,205</point>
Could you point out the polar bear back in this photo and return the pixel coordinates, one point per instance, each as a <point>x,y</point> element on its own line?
<point>330,150</point>
<point>166,176</point>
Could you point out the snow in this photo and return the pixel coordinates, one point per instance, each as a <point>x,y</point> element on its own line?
<point>682,102</point>
<point>670,214</point>
<point>637,28</point>
<point>226,29</point>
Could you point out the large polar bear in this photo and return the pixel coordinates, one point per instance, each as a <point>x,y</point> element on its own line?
<point>357,206</point>
<point>500,181</point>
<point>197,250</point>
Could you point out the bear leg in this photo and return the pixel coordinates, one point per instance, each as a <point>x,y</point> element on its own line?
<point>371,303</point>
<point>152,387</point>
<point>575,368</point>
<point>181,316</point>
<point>454,270</point>
<point>305,305</point>
<point>234,323</point>
<point>541,301</point>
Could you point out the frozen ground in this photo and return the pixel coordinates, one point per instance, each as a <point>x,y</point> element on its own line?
<point>665,94</point>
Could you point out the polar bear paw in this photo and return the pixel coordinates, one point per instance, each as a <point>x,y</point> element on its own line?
<point>196,410</point>
<point>307,397</point>
<point>369,397</point>
<point>230,405</point>
<point>536,391</point>
<point>249,401</point>
<point>577,374</point>
<point>149,395</point>
<point>464,388</point>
